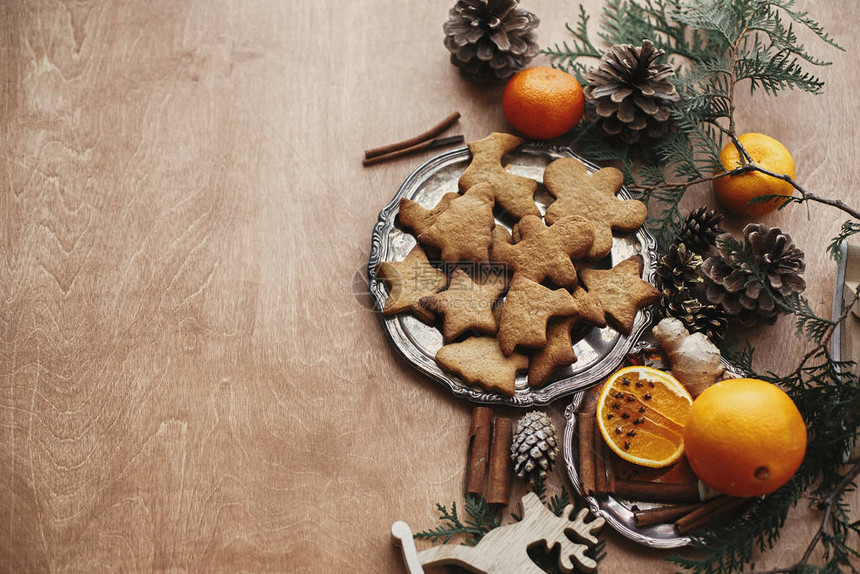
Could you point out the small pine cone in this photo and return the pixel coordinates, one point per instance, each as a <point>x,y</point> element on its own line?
<point>535,446</point>
<point>733,284</point>
<point>678,269</point>
<point>700,230</point>
<point>711,320</point>
<point>629,94</point>
<point>490,39</point>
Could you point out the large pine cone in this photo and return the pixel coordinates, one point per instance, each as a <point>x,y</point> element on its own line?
<point>754,280</point>
<point>490,39</point>
<point>628,94</point>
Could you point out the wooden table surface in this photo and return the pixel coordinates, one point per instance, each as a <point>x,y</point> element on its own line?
<point>188,382</point>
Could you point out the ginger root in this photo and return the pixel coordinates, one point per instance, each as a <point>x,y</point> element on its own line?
<point>695,360</point>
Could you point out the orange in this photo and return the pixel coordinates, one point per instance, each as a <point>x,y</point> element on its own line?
<point>735,191</point>
<point>745,437</point>
<point>641,413</point>
<point>542,102</point>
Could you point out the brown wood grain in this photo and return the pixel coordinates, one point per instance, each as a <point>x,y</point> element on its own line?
<point>188,381</point>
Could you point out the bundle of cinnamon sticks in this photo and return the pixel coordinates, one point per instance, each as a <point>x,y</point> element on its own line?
<point>692,505</point>
<point>489,458</point>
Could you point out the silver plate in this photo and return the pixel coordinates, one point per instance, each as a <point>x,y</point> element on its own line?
<point>599,351</point>
<point>618,512</point>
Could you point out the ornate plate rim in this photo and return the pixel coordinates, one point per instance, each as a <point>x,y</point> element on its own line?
<point>400,341</point>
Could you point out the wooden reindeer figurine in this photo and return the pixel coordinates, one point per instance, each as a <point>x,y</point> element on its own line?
<point>504,550</point>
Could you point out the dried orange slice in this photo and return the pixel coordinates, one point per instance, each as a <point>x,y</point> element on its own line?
<point>641,414</point>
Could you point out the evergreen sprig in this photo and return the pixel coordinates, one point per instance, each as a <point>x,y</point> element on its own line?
<point>718,47</point>
<point>482,519</point>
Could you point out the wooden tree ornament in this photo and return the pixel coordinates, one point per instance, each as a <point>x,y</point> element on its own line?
<point>504,549</point>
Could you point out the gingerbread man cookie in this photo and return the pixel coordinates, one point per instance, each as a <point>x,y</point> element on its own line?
<point>592,196</point>
<point>545,252</point>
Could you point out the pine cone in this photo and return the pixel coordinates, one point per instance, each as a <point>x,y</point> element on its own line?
<point>628,94</point>
<point>700,230</point>
<point>732,276</point>
<point>696,316</point>
<point>490,39</point>
<point>678,269</point>
<point>535,446</point>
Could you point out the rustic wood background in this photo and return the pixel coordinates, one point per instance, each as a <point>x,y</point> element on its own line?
<point>188,380</point>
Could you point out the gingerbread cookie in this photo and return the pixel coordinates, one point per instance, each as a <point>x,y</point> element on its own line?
<point>463,231</point>
<point>467,304</point>
<point>592,196</point>
<point>588,308</point>
<point>513,193</point>
<point>408,281</point>
<point>528,306</point>
<point>621,291</point>
<point>415,217</point>
<point>545,252</point>
<point>479,360</point>
<point>558,351</point>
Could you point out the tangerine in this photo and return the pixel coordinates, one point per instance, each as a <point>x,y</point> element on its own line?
<point>543,102</point>
<point>736,191</point>
<point>641,413</point>
<point>745,437</point>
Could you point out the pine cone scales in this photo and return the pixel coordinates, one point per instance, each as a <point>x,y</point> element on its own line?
<point>678,269</point>
<point>701,229</point>
<point>490,39</point>
<point>739,289</point>
<point>628,94</point>
<point>535,446</point>
<point>711,320</point>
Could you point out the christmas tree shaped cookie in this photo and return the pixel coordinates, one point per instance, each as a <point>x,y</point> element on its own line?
<point>479,360</point>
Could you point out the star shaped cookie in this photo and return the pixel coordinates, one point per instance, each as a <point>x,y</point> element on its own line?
<point>545,252</point>
<point>591,196</point>
<point>479,360</point>
<point>528,306</point>
<point>513,193</point>
<point>463,231</point>
<point>468,304</point>
<point>408,281</point>
<point>621,291</point>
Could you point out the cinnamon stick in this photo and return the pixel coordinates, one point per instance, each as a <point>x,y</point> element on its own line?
<point>501,466</point>
<point>656,491</point>
<point>662,514</point>
<point>429,144</point>
<point>479,448</point>
<point>600,483</point>
<point>428,135</point>
<point>586,452</point>
<point>717,508</point>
